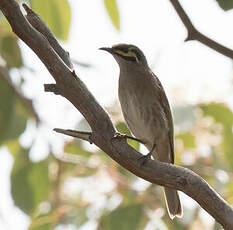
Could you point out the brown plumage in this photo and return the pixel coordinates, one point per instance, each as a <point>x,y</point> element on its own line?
<point>146,110</point>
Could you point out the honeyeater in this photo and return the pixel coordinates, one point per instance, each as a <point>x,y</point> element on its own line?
<point>146,110</point>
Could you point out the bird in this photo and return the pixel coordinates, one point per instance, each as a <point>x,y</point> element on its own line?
<point>146,110</point>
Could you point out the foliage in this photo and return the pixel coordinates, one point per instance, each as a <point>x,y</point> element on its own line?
<point>56,14</point>
<point>13,115</point>
<point>125,218</point>
<point>225,4</point>
<point>25,178</point>
<point>112,9</point>
<point>106,192</point>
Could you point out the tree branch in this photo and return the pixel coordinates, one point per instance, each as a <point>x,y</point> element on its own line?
<point>74,90</point>
<point>86,136</point>
<point>40,26</point>
<point>194,34</point>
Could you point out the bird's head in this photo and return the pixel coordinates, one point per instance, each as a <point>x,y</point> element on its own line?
<point>127,54</point>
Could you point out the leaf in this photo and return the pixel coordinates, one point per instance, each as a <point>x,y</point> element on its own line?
<point>30,183</point>
<point>39,181</point>
<point>10,51</point>
<point>123,129</point>
<point>225,4</point>
<point>43,226</point>
<point>219,111</point>
<point>134,144</point>
<point>13,117</point>
<point>188,140</point>
<point>112,9</point>
<point>124,218</point>
<point>223,115</point>
<point>229,188</point>
<point>20,189</point>
<point>56,14</point>
<point>5,28</point>
<point>43,222</point>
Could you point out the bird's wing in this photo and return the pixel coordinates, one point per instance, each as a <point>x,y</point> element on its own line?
<point>167,111</point>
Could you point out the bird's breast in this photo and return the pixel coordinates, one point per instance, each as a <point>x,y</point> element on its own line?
<point>144,115</point>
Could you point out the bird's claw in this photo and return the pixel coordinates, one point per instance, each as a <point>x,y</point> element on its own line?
<point>146,157</point>
<point>143,159</point>
<point>118,136</point>
<point>124,136</point>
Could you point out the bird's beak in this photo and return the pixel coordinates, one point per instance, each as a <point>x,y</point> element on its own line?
<point>110,50</point>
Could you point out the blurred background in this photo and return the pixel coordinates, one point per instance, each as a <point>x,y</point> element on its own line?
<point>50,181</point>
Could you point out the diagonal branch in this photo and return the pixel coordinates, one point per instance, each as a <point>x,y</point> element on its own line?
<point>194,34</point>
<point>74,90</point>
<point>40,26</point>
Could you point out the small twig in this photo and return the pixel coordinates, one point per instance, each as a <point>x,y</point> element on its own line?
<point>52,88</point>
<point>86,136</point>
<point>194,34</point>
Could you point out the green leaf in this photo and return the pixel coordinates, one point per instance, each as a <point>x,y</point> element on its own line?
<point>112,9</point>
<point>124,218</point>
<point>223,115</point>
<point>30,183</point>
<point>39,181</point>
<point>188,140</point>
<point>20,188</point>
<point>225,4</point>
<point>43,222</point>
<point>43,226</point>
<point>10,51</point>
<point>219,111</point>
<point>134,144</point>
<point>229,188</point>
<point>5,28</point>
<point>13,117</point>
<point>123,129</point>
<point>56,14</point>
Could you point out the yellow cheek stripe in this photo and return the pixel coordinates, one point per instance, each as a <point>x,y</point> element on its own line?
<point>129,54</point>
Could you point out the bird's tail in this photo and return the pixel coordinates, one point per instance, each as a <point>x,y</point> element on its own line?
<point>173,203</point>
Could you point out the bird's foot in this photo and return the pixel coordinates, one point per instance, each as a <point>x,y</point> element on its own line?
<point>142,160</point>
<point>118,136</point>
<point>124,136</point>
